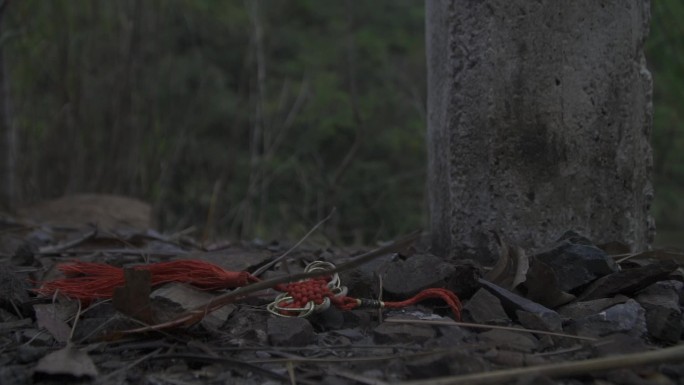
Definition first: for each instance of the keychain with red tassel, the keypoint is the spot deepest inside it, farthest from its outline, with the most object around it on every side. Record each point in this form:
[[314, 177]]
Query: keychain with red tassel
[[88, 281]]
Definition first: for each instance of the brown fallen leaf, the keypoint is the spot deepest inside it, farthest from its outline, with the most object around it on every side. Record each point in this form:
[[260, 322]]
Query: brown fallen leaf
[[133, 299], [511, 268], [542, 286], [67, 361], [48, 317]]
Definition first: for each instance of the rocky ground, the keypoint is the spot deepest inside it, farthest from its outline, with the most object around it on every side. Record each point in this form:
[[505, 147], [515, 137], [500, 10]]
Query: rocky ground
[[577, 313]]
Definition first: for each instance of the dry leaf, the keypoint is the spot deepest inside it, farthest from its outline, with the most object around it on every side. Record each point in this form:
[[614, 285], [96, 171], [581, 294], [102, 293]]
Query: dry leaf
[[67, 361], [511, 268], [47, 316], [133, 299], [542, 286]]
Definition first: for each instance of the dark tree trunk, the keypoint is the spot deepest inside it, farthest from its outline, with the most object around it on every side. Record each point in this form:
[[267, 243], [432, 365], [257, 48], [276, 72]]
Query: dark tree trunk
[[8, 132], [539, 122]]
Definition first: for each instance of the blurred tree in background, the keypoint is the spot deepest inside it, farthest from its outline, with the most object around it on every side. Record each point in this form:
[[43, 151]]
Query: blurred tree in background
[[665, 52], [255, 117]]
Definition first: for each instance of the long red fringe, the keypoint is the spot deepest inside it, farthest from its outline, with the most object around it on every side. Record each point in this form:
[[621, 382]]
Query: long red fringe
[[88, 280]]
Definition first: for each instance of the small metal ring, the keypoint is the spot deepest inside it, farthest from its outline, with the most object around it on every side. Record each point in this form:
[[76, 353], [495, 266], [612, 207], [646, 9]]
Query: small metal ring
[[281, 311]]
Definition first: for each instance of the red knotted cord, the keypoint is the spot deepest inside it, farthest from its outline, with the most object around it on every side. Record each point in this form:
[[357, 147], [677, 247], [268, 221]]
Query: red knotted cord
[[88, 281], [301, 292], [317, 290]]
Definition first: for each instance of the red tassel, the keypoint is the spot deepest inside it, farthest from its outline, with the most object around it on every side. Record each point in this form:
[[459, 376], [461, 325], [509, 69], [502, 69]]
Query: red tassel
[[88, 281], [445, 295]]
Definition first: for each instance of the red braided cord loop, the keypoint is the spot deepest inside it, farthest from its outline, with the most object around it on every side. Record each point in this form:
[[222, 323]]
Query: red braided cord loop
[[301, 292], [88, 280]]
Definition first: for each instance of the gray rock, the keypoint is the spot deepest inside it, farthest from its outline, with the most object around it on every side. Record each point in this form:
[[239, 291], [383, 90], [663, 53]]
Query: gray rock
[[404, 278], [247, 326], [628, 281], [449, 336], [577, 264], [539, 321], [30, 354], [587, 308], [330, 319], [293, 331], [663, 314], [628, 318], [363, 280], [398, 333], [444, 365], [506, 339], [484, 307], [619, 343], [513, 302], [463, 281], [429, 366], [14, 374]]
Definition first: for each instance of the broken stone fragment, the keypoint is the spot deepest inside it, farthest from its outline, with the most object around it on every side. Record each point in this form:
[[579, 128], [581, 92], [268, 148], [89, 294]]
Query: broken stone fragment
[[404, 278], [538, 321], [511, 340], [247, 326], [295, 331], [485, 308], [512, 303], [628, 318], [463, 281], [587, 308], [577, 263], [363, 280], [663, 314], [628, 281], [444, 365], [398, 333]]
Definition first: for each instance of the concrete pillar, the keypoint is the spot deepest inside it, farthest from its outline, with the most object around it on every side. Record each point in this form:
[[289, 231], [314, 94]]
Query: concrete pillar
[[539, 121]]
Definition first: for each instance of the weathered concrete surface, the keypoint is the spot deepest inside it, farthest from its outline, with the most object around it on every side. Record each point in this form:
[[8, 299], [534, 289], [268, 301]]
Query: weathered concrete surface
[[539, 119]]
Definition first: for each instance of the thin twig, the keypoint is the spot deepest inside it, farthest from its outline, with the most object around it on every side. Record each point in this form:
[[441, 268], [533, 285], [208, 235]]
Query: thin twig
[[485, 326], [267, 266], [357, 377], [76, 317], [105, 379], [562, 369], [230, 362], [381, 357], [53, 249]]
